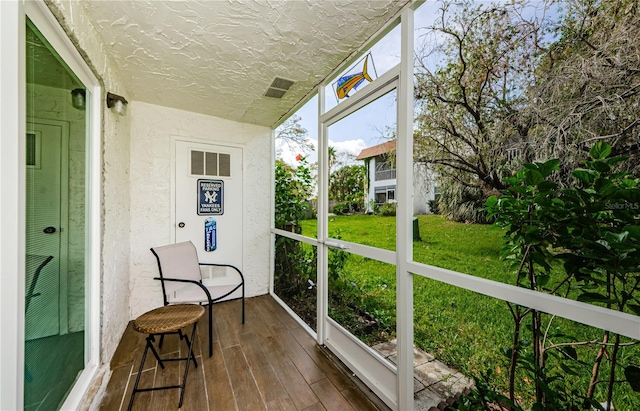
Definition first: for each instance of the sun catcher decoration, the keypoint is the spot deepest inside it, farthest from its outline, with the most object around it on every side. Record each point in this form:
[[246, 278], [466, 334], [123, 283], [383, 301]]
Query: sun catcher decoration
[[351, 81]]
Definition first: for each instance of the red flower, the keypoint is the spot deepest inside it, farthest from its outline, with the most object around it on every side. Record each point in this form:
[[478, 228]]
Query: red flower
[[299, 157]]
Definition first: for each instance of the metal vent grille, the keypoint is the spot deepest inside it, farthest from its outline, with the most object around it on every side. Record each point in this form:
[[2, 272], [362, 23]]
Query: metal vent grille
[[274, 92], [281, 83], [278, 87]]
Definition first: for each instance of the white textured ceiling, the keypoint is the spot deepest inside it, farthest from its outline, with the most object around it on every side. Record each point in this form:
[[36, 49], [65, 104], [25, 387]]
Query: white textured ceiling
[[219, 57]]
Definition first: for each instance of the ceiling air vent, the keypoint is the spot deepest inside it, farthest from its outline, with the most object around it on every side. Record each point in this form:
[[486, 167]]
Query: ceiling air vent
[[278, 87]]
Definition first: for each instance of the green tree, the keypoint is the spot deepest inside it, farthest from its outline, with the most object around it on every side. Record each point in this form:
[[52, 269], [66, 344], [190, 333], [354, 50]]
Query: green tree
[[528, 211], [292, 193], [348, 184], [293, 266], [292, 134], [602, 240], [588, 83], [471, 102], [594, 226]]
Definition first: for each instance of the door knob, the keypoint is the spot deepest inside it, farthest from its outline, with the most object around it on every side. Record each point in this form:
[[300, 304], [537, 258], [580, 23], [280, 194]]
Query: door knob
[[49, 230], [181, 225]]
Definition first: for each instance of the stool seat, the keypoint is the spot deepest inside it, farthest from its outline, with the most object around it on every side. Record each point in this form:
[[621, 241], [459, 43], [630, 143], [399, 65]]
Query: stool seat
[[168, 318]]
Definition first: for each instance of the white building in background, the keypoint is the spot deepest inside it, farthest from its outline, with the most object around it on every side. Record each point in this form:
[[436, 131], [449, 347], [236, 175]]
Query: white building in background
[[379, 161]]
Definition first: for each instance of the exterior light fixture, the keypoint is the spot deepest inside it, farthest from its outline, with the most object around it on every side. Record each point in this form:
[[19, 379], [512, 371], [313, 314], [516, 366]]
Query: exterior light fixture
[[117, 104], [78, 98]]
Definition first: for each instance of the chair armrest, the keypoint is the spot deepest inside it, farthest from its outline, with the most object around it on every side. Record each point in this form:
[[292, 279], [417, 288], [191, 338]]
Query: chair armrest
[[226, 265], [184, 280]]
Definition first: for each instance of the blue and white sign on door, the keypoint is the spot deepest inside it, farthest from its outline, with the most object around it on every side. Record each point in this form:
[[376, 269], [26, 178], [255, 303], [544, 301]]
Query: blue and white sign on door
[[210, 235], [210, 197]]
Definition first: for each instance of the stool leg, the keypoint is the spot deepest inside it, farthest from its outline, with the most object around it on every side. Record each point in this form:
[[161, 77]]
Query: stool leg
[[184, 337], [135, 386], [150, 340], [186, 368]]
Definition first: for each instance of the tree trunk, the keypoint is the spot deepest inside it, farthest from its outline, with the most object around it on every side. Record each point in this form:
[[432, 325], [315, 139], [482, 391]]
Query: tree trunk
[[612, 374], [537, 355], [596, 365]]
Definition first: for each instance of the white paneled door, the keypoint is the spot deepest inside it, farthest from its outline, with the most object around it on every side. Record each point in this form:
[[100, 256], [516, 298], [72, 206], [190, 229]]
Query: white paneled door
[[209, 204]]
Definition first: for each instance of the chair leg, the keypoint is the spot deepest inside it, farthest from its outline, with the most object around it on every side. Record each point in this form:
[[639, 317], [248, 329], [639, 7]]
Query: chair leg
[[210, 329], [243, 302]]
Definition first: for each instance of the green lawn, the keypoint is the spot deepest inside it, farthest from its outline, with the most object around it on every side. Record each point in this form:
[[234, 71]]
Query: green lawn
[[443, 314], [468, 248], [464, 329]]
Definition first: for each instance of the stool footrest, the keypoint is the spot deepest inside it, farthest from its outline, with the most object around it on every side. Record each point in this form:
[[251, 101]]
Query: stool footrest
[[179, 359], [166, 387]]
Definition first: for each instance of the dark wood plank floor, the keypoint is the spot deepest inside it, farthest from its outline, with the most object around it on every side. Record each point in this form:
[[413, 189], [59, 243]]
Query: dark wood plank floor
[[269, 363]]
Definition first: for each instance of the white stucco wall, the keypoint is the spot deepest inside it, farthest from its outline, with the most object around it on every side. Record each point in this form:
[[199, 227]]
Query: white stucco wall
[[424, 185], [153, 129]]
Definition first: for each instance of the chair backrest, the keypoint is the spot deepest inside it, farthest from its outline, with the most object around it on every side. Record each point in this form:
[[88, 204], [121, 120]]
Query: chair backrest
[[178, 260]]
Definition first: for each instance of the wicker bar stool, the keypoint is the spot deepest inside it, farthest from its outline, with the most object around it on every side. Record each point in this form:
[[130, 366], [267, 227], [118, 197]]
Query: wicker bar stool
[[170, 319]]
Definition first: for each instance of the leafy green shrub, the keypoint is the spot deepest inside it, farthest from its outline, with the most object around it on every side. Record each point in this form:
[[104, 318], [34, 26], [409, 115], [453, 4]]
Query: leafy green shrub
[[373, 207], [388, 209], [434, 206], [347, 184], [341, 209], [462, 203], [356, 206], [293, 189], [349, 207], [295, 271], [593, 226]]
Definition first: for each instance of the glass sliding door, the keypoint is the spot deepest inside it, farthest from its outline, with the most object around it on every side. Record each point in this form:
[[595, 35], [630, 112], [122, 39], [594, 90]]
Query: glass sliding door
[[55, 163]]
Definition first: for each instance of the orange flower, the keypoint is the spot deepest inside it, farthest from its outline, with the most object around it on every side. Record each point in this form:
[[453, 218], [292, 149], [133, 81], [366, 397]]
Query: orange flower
[[299, 157]]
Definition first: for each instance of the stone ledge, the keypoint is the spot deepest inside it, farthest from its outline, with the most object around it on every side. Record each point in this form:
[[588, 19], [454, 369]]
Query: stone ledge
[[435, 385]]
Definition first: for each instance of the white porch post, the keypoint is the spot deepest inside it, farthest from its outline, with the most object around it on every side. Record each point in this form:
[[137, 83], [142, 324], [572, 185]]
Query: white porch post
[[404, 238], [323, 205]]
